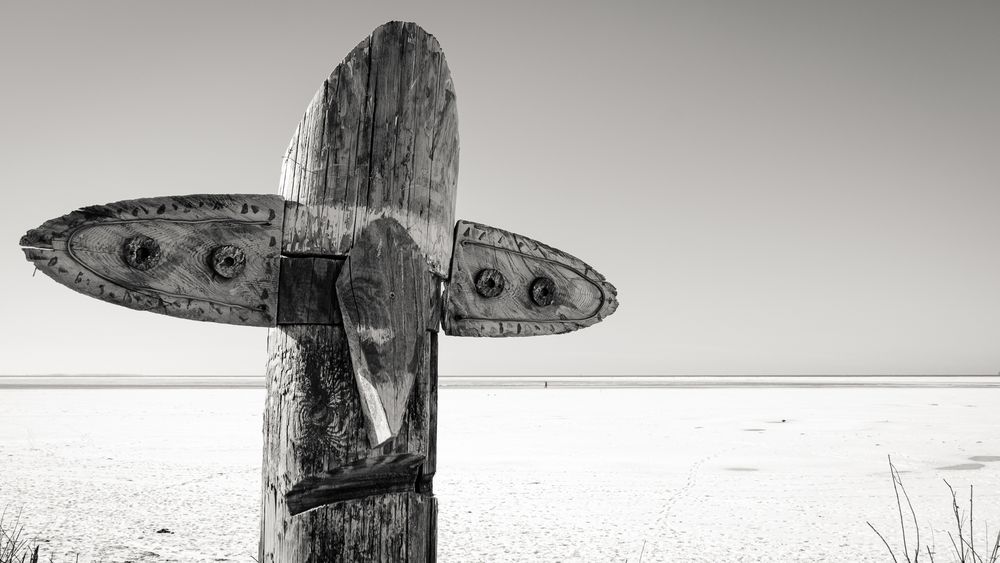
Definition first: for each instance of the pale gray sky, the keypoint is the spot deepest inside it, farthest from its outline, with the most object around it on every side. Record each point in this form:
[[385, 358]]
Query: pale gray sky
[[773, 186]]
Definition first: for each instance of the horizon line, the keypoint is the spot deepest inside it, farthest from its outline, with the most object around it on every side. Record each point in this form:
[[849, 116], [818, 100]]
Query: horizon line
[[531, 375], [121, 381]]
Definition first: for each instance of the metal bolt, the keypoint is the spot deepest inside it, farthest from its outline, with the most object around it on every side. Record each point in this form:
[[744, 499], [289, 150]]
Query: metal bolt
[[228, 261], [141, 252], [490, 282], [543, 291]]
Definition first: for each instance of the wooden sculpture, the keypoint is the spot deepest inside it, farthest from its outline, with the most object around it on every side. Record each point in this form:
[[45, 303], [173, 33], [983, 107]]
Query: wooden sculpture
[[346, 267]]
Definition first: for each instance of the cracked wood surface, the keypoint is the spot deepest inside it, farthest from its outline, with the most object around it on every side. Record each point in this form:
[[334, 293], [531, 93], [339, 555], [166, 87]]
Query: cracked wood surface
[[156, 254], [379, 139]]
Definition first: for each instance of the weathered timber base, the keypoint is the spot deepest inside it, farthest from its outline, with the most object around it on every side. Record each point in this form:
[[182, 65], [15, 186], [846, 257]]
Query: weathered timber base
[[385, 528], [313, 423]]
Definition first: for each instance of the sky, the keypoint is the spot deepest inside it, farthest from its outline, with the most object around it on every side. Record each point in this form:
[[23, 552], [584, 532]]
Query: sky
[[774, 186]]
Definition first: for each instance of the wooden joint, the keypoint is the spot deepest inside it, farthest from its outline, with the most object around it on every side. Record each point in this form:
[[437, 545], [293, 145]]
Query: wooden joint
[[425, 483], [306, 290]]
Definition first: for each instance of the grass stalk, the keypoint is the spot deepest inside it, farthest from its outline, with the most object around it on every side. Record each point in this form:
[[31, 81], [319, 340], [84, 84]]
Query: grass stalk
[[963, 544]]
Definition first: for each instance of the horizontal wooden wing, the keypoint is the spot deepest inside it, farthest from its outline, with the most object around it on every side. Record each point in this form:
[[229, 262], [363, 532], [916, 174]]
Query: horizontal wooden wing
[[505, 284], [202, 257]]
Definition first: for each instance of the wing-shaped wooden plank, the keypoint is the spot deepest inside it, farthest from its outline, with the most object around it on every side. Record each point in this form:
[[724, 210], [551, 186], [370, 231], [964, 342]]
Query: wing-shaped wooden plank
[[202, 257], [504, 284], [386, 294], [379, 139]]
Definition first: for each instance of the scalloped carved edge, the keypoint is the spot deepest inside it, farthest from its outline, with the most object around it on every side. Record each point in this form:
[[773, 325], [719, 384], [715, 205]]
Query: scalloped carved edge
[[468, 232]]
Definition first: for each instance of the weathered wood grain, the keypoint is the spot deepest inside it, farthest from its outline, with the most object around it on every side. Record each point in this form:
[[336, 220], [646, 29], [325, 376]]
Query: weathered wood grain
[[378, 141], [385, 528], [504, 284], [418, 433], [375, 475], [202, 257], [421, 514], [386, 298], [306, 290], [313, 424]]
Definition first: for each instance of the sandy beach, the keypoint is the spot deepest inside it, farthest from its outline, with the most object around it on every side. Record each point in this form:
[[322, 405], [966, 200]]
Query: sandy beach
[[716, 474]]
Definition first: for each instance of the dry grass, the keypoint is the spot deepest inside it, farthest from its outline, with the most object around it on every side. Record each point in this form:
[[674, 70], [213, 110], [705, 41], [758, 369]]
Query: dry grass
[[13, 547], [963, 541]]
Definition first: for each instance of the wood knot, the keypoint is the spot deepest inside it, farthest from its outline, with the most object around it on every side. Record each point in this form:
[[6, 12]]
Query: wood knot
[[228, 261], [543, 291], [141, 252], [490, 282]]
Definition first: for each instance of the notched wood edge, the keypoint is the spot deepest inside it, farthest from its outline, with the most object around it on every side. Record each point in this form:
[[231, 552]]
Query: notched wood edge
[[470, 232], [371, 476], [251, 207], [46, 244]]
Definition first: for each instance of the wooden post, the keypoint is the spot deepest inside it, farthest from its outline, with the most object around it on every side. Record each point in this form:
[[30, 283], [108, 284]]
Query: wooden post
[[346, 267], [370, 171]]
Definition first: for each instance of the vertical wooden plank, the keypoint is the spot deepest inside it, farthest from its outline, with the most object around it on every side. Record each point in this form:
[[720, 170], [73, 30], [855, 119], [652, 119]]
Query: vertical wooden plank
[[432, 529], [422, 523], [430, 464], [343, 137], [390, 76], [444, 166], [323, 168]]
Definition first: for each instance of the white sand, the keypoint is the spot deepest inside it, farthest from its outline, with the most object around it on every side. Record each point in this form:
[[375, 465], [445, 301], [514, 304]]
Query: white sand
[[524, 474]]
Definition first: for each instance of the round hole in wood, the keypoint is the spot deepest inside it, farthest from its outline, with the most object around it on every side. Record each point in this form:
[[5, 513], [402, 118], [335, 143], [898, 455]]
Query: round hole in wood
[[228, 261], [543, 291], [141, 252], [490, 282]]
